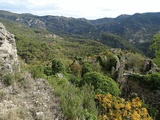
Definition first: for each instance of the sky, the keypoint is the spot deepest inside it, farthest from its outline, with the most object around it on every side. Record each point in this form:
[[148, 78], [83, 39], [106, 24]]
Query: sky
[[89, 9]]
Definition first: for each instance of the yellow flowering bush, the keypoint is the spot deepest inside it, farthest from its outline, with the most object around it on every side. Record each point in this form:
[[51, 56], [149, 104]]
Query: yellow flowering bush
[[113, 108]]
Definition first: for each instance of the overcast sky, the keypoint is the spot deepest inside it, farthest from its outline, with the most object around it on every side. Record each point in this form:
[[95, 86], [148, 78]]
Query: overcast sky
[[90, 9]]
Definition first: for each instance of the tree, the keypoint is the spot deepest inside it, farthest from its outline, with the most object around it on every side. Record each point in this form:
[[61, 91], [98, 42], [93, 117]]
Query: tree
[[156, 47]]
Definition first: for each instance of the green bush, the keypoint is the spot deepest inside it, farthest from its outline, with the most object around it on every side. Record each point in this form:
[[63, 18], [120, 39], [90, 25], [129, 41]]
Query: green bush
[[57, 66], [74, 80], [76, 69], [153, 81], [102, 84], [96, 67], [86, 67], [47, 71]]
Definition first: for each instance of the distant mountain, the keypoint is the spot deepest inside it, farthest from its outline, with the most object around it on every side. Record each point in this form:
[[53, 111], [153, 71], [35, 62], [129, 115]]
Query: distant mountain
[[136, 29], [55, 24]]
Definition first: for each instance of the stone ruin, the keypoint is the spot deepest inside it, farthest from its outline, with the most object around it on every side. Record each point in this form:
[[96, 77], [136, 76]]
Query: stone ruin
[[123, 81]]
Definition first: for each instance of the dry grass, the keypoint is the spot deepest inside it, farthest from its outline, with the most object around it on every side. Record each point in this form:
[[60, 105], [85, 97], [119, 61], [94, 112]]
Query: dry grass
[[28, 99]]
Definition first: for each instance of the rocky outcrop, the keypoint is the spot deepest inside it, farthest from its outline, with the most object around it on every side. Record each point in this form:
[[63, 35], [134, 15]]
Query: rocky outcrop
[[121, 80], [8, 51]]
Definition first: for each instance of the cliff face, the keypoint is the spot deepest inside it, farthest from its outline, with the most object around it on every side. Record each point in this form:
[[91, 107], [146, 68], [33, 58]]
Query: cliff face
[[8, 51]]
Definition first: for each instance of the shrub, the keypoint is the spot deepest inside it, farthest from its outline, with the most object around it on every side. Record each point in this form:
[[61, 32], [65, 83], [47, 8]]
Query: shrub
[[101, 84], [113, 108], [86, 67], [151, 81], [74, 80], [48, 71], [57, 66], [96, 67], [76, 69]]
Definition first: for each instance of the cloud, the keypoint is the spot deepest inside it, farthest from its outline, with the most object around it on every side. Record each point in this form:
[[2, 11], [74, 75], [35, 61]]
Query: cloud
[[90, 9], [8, 7]]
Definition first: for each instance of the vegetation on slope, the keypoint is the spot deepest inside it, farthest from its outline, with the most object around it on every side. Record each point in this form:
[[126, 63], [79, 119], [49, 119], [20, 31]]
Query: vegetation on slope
[[77, 71], [39, 45], [137, 29]]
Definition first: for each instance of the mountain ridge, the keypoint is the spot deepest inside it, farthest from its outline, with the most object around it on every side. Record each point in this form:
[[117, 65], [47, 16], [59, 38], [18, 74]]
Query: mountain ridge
[[137, 29]]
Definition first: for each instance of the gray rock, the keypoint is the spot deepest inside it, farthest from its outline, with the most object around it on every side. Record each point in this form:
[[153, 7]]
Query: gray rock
[[8, 51], [149, 66]]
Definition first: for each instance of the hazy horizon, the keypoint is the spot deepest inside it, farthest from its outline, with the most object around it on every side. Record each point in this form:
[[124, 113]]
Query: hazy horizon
[[89, 9]]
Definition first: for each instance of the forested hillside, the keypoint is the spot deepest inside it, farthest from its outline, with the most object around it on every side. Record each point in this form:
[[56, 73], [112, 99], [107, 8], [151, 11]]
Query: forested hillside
[[137, 30], [41, 45]]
